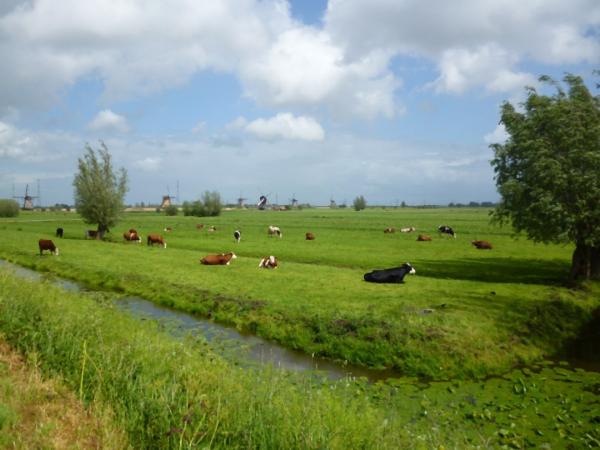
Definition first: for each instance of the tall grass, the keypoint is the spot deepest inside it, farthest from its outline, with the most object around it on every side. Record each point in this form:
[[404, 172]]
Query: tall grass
[[168, 393]]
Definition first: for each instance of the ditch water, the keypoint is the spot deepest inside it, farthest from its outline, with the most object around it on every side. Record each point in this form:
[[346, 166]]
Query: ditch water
[[247, 349]]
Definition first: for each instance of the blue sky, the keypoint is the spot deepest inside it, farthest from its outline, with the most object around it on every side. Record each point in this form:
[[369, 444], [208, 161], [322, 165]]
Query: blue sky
[[393, 100]]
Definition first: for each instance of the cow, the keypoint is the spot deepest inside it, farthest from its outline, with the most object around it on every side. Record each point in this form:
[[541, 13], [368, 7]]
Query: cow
[[274, 231], [407, 230], [389, 230], [59, 232], [310, 236], [154, 238], [132, 236], [218, 260], [91, 234], [423, 238], [268, 262], [167, 229], [47, 244], [133, 230], [482, 245], [445, 229], [199, 226], [393, 275], [237, 236], [212, 228]]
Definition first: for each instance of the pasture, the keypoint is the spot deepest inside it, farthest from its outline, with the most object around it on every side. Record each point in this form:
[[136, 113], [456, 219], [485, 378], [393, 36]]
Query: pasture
[[467, 313]]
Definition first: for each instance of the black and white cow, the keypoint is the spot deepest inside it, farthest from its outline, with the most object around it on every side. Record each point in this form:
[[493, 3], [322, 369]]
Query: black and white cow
[[393, 275], [237, 236], [445, 229]]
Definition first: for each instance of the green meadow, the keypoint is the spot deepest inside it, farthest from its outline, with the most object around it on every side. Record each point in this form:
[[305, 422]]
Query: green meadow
[[466, 314]]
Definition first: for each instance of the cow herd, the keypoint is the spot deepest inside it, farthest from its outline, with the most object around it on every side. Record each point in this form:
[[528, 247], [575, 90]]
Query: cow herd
[[391, 275]]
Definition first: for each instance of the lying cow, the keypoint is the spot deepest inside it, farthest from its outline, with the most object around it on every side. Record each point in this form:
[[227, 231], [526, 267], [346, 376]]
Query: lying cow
[[393, 275], [274, 231], [47, 244], [167, 229], [423, 238], [59, 232], [445, 229], [154, 238], [389, 230], [268, 262], [407, 230], [212, 228], [237, 235], [218, 260], [132, 236], [482, 245], [199, 226], [310, 236]]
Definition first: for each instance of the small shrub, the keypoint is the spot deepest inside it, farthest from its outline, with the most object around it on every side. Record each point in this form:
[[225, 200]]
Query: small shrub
[[171, 210], [8, 208], [359, 203], [209, 205]]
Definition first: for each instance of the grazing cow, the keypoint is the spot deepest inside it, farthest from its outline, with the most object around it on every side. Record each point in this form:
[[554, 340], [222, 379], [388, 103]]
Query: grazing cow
[[154, 238], [218, 260], [389, 230], [91, 234], [272, 231], [199, 226], [407, 230], [59, 232], [132, 236], [310, 236], [445, 229], [423, 238], [393, 275], [47, 244], [237, 236], [268, 262], [168, 229], [482, 245], [133, 230]]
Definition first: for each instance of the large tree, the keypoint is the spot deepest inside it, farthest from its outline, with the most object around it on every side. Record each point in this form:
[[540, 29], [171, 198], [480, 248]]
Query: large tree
[[548, 170], [99, 190]]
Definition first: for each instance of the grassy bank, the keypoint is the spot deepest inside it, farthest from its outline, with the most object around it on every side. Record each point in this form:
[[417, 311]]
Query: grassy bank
[[467, 313], [42, 413], [169, 393]]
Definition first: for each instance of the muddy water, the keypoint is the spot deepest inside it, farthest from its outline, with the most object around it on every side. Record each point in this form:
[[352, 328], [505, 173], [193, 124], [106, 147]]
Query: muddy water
[[246, 349]]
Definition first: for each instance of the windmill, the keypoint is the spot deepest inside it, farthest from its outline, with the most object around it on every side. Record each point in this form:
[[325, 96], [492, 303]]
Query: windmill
[[262, 201], [240, 201], [294, 201], [27, 199], [332, 203], [168, 199]]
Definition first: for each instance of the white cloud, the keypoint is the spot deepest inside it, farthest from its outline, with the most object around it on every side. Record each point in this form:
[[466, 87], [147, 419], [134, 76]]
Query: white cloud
[[149, 164], [286, 126], [498, 136], [109, 121], [30, 147], [199, 127]]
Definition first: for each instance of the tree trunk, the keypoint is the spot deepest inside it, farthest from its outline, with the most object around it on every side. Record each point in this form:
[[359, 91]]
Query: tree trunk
[[102, 229], [585, 263]]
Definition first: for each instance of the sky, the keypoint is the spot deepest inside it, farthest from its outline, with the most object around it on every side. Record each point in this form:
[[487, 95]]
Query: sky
[[395, 100]]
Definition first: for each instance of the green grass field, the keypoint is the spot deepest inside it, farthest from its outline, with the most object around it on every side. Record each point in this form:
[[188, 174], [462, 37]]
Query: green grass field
[[492, 310]]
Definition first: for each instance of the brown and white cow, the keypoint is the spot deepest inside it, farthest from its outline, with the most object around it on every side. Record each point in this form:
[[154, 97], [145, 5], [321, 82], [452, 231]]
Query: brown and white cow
[[132, 236], [310, 236], [199, 226], [389, 230], [268, 262], [423, 238], [407, 230], [218, 260], [167, 229], [47, 244], [154, 238], [274, 231], [482, 245]]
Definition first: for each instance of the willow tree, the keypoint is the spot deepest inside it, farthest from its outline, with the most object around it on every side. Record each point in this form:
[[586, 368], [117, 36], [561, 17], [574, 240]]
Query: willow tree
[[548, 171], [99, 190]]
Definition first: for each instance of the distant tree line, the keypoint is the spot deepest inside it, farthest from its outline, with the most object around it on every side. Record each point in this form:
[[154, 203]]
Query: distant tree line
[[472, 205], [209, 205]]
